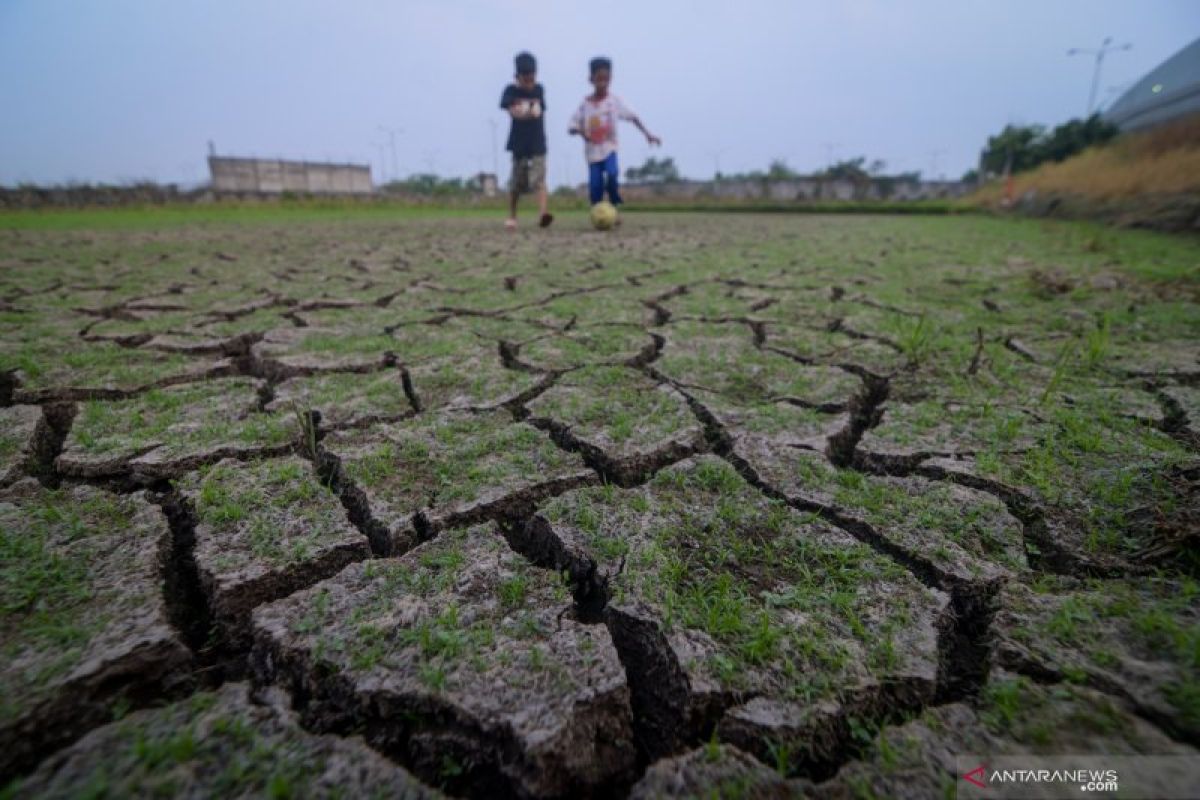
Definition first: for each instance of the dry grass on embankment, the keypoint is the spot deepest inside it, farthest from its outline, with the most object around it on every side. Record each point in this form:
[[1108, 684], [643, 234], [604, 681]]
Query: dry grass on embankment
[[1158, 163]]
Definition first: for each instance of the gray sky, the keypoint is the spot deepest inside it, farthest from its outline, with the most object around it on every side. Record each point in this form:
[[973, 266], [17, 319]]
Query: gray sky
[[116, 90]]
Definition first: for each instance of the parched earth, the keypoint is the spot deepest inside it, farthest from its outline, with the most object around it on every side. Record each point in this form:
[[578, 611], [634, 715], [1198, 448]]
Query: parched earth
[[740, 505]]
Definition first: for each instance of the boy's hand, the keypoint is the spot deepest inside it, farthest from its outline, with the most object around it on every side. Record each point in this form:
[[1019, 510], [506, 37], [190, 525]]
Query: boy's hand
[[653, 140]]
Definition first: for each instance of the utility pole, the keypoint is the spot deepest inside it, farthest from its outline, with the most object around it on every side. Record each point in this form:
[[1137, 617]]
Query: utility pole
[[716, 157], [391, 133], [380, 149], [495, 156], [830, 147], [1100, 52], [934, 155]]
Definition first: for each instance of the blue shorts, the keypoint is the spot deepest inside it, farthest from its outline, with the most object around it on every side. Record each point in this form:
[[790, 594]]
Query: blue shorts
[[602, 177]]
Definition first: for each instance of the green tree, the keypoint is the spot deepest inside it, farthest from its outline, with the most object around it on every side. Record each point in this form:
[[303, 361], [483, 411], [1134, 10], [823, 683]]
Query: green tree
[[852, 169], [778, 170], [1015, 148], [1075, 136], [429, 185], [654, 171], [1023, 147]]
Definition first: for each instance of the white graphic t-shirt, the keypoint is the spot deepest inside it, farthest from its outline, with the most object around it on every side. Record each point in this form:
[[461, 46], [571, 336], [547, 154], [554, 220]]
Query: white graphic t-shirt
[[598, 121]]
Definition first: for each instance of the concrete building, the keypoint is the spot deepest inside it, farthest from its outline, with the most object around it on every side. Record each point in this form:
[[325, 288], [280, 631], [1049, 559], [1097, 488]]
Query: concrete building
[[487, 183], [269, 176], [1169, 91]]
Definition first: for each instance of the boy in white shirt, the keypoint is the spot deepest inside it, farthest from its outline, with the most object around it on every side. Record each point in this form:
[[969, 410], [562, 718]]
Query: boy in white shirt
[[596, 121]]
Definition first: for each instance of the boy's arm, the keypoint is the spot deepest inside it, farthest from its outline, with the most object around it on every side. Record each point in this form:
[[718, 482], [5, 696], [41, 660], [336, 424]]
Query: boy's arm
[[650, 137], [625, 113], [515, 110], [576, 126]]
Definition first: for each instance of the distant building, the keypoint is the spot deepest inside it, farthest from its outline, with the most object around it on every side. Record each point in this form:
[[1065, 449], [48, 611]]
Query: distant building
[[1170, 91], [486, 181], [272, 176]]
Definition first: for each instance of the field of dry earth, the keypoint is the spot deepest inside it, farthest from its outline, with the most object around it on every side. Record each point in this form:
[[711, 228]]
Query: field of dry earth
[[744, 505]]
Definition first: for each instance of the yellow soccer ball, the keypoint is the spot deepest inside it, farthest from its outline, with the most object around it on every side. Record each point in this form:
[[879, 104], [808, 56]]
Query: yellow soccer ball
[[604, 215]]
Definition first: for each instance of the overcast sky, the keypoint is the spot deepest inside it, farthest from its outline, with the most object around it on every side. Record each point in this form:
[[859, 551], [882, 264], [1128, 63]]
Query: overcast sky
[[117, 90]]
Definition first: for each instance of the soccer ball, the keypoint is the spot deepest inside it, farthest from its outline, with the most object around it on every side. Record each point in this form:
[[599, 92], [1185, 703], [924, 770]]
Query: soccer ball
[[604, 215]]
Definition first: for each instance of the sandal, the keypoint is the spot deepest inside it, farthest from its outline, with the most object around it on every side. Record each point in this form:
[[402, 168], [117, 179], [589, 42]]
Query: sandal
[[546, 220], [510, 224]]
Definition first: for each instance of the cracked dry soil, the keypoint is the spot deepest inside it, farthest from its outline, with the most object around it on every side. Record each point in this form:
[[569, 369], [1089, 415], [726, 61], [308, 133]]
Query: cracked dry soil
[[740, 505]]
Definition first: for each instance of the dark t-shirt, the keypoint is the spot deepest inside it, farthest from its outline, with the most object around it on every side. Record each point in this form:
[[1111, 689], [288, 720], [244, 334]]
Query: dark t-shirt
[[527, 137]]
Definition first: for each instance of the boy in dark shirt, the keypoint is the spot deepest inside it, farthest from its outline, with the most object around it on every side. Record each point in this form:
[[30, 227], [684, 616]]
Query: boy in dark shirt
[[525, 102]]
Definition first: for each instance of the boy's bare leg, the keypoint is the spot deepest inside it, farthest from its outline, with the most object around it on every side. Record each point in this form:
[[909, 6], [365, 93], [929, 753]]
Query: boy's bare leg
[[511, 222]]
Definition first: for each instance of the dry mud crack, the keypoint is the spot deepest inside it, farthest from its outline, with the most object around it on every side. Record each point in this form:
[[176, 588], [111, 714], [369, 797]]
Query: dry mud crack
[[736, 504]]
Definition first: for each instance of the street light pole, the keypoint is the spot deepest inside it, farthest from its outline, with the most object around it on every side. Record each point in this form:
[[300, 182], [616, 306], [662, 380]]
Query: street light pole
[[716, 157], [379, 147], [1104, 49], [934, 156], [391, 132]]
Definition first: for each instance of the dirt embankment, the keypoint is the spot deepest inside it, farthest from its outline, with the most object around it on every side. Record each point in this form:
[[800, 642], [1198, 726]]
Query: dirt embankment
[[1141, 180]]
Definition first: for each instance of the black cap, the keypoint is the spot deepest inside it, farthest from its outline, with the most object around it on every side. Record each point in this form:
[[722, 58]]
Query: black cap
[[526, 63]]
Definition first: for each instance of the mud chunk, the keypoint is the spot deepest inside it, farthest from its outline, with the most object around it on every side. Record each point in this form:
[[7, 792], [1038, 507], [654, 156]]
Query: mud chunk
[[948, 428], [263, 530], [1014, 717], [593, 345], [18, 424], [825, 341], [450, 468], [723, 359], [287, 352], [86, 624], [717, 770], [751, 426], [475, 378], [620, 419], [1136, 640], [718, 595], [71, 370], [966, 535], [165, 432], [345, 399], [219, 744], [458, 650]]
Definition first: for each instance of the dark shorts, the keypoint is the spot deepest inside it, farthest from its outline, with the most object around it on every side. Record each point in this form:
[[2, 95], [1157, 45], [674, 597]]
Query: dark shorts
[[528, 174]]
